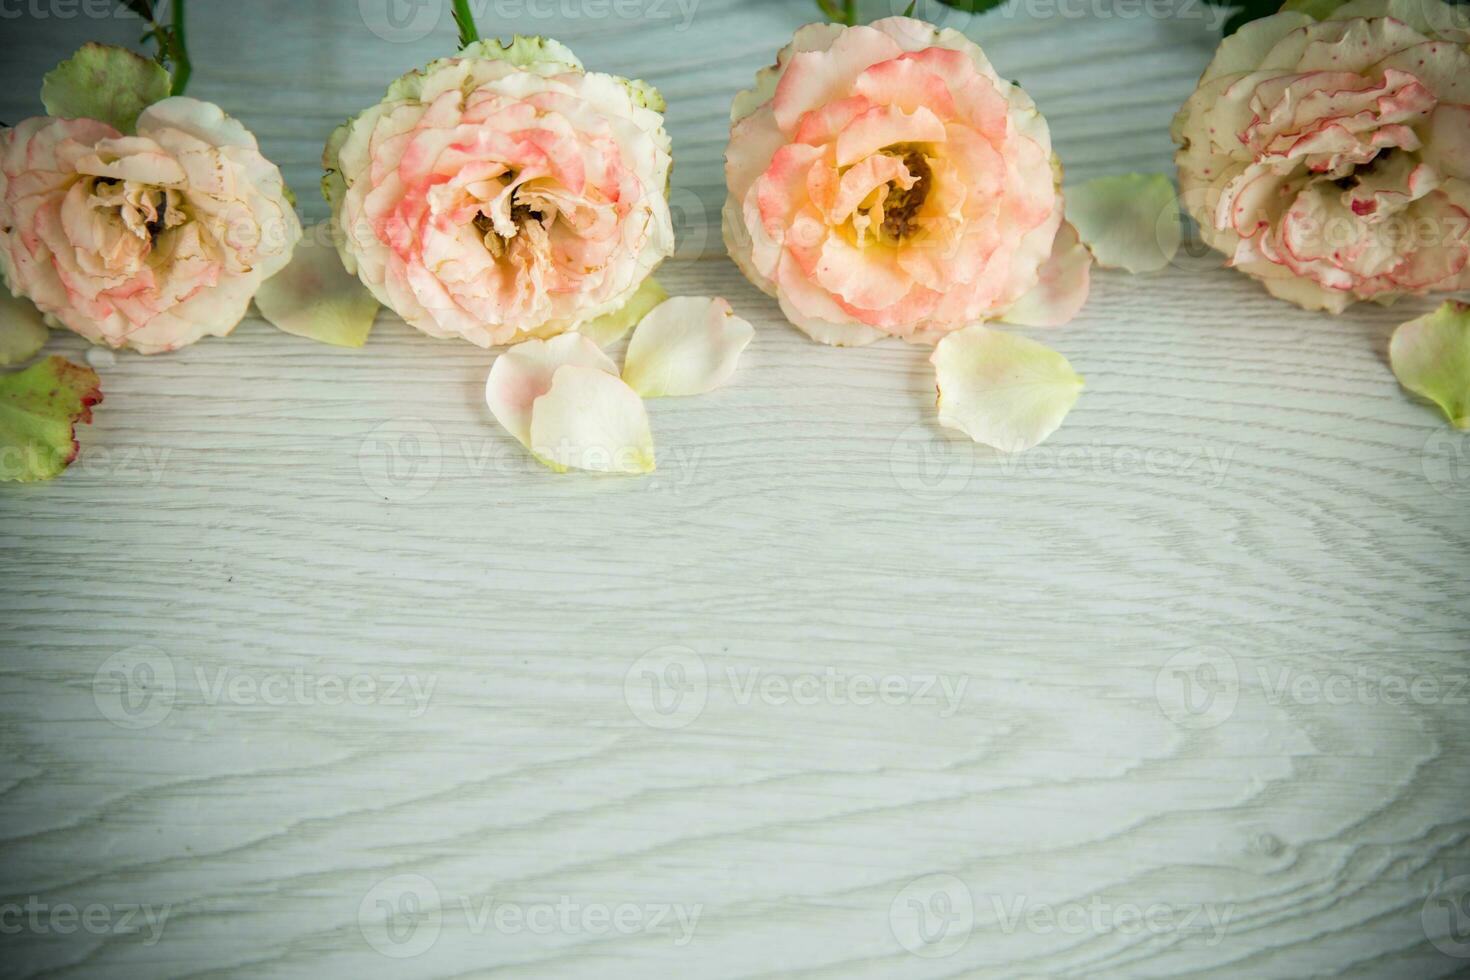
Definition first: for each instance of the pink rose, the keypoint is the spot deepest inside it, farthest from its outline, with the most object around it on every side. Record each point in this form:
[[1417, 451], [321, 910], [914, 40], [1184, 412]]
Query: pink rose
[[1331, 159], [149, 241], [504, 193], [885, 180]]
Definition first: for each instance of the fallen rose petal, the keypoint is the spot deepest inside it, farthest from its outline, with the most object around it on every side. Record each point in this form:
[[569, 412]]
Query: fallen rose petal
[[22, 328], [610, 328], [39, 411], [1065, 280], [591, 420], [686, 346], [1002, 390], [1431, 357], [524, 373], [316, 298], [1129, 221]]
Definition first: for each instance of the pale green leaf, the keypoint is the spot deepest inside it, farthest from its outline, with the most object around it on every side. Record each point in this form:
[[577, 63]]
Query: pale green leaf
[[106, 83]]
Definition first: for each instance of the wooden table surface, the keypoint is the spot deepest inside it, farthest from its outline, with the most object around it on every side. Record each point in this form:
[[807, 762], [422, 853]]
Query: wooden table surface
[[309, 672]]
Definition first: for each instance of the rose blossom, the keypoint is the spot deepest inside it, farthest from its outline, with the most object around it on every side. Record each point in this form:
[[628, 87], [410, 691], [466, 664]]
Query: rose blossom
[[504, 193], [1331, 159], [149, 241], [885, 180]]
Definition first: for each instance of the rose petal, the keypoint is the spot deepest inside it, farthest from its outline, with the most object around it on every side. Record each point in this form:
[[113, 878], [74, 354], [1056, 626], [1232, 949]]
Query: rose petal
[[22, 328], [1130, 221], [524, 373], [591, 420], [609, 328], [316, 298], [1062, 290], [687, 346], [1431, 357], [1002, 390]]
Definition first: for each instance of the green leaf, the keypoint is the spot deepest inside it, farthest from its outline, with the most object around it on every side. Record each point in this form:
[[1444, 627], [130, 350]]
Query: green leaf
[[1431, 357], [107, 83], [22, 328], [39, 411], [316, 298], [609, 328]]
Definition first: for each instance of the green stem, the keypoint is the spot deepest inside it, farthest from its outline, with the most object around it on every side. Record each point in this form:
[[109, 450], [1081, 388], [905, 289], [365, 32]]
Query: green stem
[[183, 67], [849, 9], [465, 18]]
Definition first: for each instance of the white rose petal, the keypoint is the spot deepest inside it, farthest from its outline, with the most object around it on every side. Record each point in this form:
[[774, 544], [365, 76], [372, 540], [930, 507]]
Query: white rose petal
[[316, 298], [524, 373], [591, 420], [686, 346], [1002, 390]]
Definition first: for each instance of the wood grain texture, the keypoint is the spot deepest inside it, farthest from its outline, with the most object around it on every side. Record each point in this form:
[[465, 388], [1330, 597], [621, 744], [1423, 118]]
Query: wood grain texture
[[307, 661]]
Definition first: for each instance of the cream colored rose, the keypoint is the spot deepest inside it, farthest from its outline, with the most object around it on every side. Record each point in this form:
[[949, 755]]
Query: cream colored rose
[[1331, 159], [504, 193], [884, 180], [149, 241]]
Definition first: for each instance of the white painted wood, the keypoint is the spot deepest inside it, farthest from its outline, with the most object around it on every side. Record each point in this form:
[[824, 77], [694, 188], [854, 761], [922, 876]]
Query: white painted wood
[[1243, 501]]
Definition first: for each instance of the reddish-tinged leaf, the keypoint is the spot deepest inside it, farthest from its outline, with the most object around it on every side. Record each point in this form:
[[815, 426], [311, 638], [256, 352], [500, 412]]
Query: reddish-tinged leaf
[[39, 411]]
